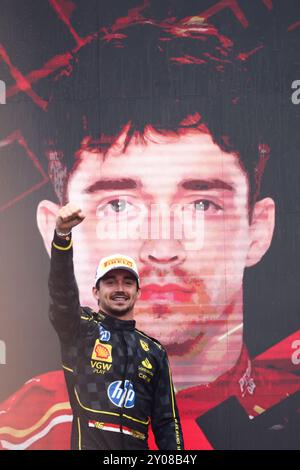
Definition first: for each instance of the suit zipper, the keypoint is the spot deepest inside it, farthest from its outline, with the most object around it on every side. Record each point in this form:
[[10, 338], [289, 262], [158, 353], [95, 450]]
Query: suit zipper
[[123, 387]]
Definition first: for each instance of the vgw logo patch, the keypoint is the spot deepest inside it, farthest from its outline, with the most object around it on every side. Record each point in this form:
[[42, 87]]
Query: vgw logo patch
[[121, 396]]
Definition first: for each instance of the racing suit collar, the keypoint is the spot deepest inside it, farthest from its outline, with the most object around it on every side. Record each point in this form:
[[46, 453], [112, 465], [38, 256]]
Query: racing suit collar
[[112, 323]]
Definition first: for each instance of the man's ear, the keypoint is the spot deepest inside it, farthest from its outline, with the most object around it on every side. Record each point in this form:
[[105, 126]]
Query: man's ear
[[46, 217], [261, 230], [95, 292]]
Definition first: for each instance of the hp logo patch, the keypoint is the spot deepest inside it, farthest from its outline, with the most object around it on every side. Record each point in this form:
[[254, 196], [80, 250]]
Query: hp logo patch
[[117, 394], [104, 334]]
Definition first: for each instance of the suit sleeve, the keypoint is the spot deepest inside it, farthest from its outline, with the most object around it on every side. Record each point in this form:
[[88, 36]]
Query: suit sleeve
[[64, 310], [165, 419]]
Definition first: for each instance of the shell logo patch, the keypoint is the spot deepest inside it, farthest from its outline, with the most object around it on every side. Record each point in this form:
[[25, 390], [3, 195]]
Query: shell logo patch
[[102, 352]]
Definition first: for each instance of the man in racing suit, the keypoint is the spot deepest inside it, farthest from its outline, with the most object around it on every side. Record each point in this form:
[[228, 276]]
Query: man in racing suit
[[118, 378]]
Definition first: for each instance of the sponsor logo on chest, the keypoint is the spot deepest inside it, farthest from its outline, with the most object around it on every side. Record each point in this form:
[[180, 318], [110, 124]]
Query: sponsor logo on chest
[[145, 370], [101, 360], [121, 394]]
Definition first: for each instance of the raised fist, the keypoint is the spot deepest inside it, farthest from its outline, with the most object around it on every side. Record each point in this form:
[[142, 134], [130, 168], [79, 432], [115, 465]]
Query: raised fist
[[68, 217]]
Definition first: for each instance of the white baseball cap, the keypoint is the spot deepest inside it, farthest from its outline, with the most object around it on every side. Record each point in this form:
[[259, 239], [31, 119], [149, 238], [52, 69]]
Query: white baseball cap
[[116, 261]]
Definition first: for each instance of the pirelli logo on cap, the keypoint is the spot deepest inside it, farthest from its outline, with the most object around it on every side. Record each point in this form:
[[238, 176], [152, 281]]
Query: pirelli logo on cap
[[118, 262]]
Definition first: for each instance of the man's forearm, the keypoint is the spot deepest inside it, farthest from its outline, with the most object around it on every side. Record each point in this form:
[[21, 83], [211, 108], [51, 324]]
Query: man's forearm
[[64, 309]]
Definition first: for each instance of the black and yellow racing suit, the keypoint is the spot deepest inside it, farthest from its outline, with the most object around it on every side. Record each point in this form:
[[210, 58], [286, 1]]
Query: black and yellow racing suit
[[118, 378]]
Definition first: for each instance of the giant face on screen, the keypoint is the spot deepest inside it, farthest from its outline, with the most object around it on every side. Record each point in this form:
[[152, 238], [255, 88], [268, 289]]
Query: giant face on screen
[[165, 172]]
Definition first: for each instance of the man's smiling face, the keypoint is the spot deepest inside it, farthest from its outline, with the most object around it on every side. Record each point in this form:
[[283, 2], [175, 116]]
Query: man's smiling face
[[117, 293]]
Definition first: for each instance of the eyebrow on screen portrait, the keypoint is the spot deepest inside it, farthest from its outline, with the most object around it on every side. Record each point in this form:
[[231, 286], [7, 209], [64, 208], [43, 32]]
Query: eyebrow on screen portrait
[[112, 184], [205, 185]]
